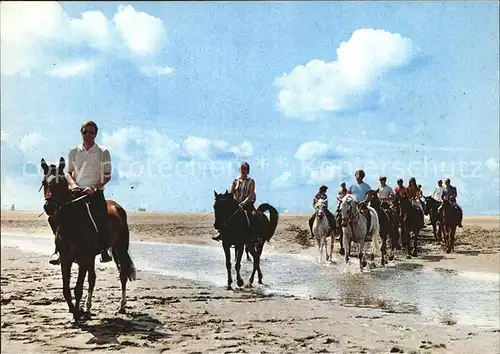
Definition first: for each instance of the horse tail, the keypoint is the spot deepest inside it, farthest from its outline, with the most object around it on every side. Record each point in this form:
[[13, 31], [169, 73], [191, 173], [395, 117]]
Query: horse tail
[[273, 218], [121, 248], [375, 232]]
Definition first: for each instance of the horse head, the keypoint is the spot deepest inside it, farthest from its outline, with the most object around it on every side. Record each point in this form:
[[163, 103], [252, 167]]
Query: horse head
[[224, 207], [347, 209], [320, 208], [375, 202], [429, 204], [55, 186]]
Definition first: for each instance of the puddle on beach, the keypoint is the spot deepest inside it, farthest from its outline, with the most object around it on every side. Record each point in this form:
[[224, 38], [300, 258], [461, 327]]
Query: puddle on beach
[[443, 296]]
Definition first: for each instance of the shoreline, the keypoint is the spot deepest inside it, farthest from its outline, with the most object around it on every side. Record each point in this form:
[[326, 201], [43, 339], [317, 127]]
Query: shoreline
[[477, 249], [178, 315], [483, 263], [169, 314]]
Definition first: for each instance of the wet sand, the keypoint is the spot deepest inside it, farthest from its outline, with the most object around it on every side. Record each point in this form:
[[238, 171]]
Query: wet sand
[[180, 316]]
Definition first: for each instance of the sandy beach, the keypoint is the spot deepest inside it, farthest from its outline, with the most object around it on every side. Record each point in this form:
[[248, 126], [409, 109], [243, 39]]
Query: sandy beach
[[166, 314]]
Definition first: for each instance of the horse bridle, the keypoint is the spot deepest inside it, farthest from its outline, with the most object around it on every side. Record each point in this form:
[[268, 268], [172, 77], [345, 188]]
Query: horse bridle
[[226, 220], [350, 218], [59, 206]]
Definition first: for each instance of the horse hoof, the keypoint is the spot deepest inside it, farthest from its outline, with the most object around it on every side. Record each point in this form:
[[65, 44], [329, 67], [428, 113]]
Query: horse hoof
[[391, 257], [372, 257], [122, 310], [248, 286], [363, 264], [408, 257], [229, 287], [240, 282], [342, 252], [260, 282]]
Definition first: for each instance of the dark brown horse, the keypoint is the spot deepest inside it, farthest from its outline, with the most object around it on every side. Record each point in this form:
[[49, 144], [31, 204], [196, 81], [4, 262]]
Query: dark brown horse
[[431, 209], [238, 230], [451, 219], [386, 224], [410, 217], [76, 237]]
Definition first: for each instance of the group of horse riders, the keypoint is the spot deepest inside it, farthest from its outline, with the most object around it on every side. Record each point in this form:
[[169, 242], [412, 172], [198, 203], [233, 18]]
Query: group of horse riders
[[362, 193], [89, 170]]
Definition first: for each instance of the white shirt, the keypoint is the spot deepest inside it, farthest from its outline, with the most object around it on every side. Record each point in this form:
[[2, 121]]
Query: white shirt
[[438, 193], [359, 191], [89, 166], [385, 191]]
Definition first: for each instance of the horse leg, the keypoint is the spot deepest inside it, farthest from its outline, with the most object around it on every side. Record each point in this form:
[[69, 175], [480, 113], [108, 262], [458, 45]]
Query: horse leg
[[227, 252], [415, 243], [361, 254], [347, 247], [325, 245], [341, 242], [452, 238], [332, 241], [237, 266], [258, 253], [91, 280], [383, 248], [254, 256], [248, 254], [82, 272], [66, 276]]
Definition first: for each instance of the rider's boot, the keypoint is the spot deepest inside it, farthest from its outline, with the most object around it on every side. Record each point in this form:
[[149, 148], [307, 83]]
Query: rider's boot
[[54, 259], [105, 257], [311, 223], [217, 237]]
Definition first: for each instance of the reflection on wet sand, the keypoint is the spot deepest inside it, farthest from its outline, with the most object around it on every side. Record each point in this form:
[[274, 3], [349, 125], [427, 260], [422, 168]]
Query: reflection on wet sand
[[435, 295]]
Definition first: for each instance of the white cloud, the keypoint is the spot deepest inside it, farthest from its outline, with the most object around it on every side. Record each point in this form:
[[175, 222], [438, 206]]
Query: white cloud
[[199, 147], [348, 83], [4, 136], [157, 70], [206, 149], [312, 149], [492, 164], [327, 173], [286, 180], [30, 142], [94, 28], [33, 35], [134, 143], [77, 68], [142, 33]]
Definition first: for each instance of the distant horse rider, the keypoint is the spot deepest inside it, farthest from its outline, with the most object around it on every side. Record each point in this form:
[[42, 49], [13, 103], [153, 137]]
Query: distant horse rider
[[413, 193], [385, 192], [449, 193], [321, 195], [343, 191], [400, 188], [359, 191], [243, 191]]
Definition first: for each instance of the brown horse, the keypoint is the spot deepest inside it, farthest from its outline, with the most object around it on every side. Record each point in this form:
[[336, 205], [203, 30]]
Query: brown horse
[[450, 220], [238, 231], [76, 237]]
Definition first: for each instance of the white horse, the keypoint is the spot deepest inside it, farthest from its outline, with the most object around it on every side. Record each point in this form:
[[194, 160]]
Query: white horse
[[354, 229], [321, 229]]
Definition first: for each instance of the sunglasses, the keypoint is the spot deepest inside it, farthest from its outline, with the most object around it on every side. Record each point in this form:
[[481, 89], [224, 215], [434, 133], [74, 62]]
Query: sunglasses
[[85, 132]]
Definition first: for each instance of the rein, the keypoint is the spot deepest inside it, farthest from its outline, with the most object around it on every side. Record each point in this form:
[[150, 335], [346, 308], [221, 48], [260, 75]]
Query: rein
[[224, 223]]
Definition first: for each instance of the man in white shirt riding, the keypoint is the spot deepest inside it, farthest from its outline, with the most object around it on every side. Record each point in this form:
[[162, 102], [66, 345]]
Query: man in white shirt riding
[[89, 169], [385, 193], [437, 194], [359, 191]]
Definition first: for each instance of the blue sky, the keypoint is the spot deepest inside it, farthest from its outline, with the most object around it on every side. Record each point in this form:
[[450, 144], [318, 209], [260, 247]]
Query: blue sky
[[306, 92]]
